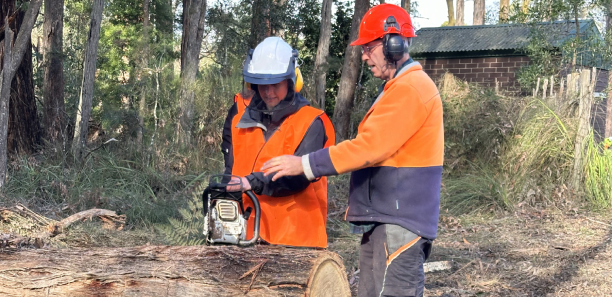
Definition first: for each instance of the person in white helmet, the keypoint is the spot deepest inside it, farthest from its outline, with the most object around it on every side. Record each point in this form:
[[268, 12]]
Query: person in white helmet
[[276, 121]]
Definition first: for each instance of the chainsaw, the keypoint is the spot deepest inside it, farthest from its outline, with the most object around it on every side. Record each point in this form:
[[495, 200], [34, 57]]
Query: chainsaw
[[225, 219]]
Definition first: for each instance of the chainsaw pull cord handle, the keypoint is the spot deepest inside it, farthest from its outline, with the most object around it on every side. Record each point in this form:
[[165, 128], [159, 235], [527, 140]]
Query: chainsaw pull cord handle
[[257, 217]]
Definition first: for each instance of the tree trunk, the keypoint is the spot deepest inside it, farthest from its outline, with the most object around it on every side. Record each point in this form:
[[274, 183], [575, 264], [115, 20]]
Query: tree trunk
[[323, 52], [143, 73], [350, 75], [173, 271], [260, 23], [53, 85], [12, 58], [525, 6], [608, 132], [460, 13], [194, 16], [406, 5], [504, 10], [24, 126], [87, 86], [451, 12], [479, 12]]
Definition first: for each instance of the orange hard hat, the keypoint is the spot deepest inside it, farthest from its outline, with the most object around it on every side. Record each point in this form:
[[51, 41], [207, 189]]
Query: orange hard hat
[[374, 23]]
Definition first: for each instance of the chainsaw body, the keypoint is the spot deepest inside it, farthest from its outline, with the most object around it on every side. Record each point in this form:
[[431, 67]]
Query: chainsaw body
[[225, 219]]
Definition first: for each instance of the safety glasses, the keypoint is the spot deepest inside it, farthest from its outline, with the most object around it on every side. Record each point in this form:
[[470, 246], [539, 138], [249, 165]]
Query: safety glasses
[[367, 49]]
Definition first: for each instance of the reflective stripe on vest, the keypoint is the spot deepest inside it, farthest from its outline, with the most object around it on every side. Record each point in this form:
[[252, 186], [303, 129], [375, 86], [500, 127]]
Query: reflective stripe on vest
[[295, 220]]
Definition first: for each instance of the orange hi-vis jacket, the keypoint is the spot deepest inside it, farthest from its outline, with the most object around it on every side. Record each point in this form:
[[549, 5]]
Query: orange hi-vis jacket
[[294, 220], [396, 157]]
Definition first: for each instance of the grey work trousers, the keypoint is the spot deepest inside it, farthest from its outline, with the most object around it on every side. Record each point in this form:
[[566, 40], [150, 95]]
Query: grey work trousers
[[391, 262]]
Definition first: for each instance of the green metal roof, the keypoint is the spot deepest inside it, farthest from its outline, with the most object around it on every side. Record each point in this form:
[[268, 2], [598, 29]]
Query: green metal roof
[[494, 37]]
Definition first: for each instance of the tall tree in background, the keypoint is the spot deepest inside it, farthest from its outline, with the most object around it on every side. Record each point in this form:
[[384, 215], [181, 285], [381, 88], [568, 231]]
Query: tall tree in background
[[13, 54], [194, 17], [53, 85], [451, 12], [143, 72], [608, 132], [406, 5], [460, 13], [81, 125], [23, 123], [323, 52], [479, 12], [504, 11], [350, 74], [525, 6], [260, 22]]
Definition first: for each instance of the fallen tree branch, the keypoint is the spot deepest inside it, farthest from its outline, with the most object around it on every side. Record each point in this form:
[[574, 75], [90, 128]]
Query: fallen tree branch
[[105, 214]]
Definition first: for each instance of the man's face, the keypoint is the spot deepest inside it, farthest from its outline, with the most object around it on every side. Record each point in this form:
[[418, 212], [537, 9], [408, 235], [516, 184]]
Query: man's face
[[372, 54], [273, 94]]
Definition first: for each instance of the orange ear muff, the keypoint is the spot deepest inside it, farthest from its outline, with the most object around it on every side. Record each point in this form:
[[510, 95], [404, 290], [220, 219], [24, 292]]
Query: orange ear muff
[[299, 81]]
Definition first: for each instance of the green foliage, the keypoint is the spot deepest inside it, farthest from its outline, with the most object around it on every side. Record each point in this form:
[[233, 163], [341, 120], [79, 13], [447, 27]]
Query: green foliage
[[482, 188], [108, 178], [477, 124], [598, 181], [186, 230], [541, 154], [545, 60]]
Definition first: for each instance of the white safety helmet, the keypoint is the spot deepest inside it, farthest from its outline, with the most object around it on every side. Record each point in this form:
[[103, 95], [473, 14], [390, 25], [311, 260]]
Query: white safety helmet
[[272, 61]]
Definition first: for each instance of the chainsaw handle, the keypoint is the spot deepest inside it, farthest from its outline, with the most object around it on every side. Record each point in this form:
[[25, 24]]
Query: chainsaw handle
[[257, 217]]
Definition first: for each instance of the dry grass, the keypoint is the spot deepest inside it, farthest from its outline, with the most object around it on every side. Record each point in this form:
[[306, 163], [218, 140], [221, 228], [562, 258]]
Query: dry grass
[[531, 252]]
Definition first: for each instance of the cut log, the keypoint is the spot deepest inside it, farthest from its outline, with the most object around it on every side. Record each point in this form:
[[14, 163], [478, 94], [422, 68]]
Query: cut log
[[172, 271]]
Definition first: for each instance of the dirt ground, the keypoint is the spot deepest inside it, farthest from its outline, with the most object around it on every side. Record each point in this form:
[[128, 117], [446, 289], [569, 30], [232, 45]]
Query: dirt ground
[[529, 252]]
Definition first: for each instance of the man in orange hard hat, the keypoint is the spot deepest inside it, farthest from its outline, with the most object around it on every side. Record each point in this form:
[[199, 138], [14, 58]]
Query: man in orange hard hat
[[396, 161]]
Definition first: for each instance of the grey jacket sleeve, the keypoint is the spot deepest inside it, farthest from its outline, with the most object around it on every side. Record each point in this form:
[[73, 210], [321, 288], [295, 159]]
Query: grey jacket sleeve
[[314, 139]]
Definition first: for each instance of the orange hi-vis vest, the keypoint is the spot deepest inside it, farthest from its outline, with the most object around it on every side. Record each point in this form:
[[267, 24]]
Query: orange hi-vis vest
[[295, 220]]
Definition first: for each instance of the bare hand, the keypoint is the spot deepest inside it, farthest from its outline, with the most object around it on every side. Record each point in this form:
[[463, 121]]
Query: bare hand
[[235, 184], [287, 165]]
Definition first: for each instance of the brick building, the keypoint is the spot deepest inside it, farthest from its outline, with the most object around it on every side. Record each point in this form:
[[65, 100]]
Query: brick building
[[484, 54], [494, 53]]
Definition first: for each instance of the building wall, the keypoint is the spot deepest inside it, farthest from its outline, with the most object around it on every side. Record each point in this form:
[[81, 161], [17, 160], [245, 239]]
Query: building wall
[[486, 70], [483, 71]]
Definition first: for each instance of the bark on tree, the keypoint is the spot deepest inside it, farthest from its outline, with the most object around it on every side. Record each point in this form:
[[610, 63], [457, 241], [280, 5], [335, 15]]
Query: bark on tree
[[608, 132], [13, 55], [24, 125], [143, 73], [479, 12], [260, 22], [350, 75], [504, 11], [53, 85], [194, 17], [87, 86], [173, 271], [406, 5], [323, 52], [451, 12], [460, 13]]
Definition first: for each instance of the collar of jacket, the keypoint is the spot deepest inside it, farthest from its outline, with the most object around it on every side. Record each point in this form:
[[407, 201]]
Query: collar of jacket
[[409, 65], [256, 113]]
